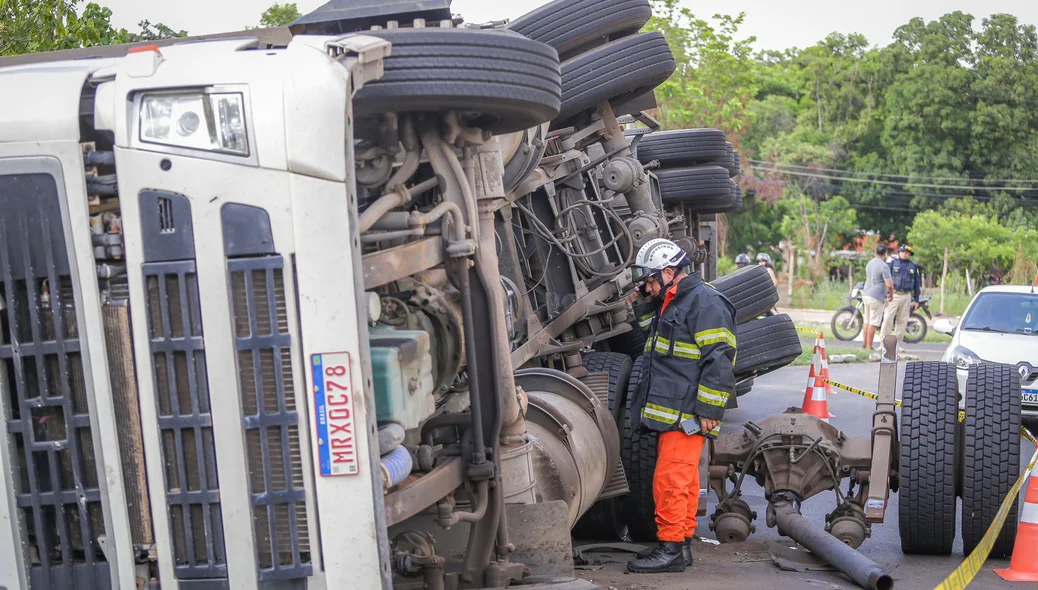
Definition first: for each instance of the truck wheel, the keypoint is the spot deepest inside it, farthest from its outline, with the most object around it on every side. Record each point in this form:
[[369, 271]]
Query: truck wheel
[[576, 26], [615, 71], [687, 184], [992, 454], [505, 81], [765, 345], [683, 147], [638, 452], [750, 290], [926, 487], [743, 388], [631, 343], [736, 168], [605, 519]]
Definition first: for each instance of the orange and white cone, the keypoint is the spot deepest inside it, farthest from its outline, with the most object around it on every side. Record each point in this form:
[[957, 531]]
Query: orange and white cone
[[1024, 565], [815, 402], [823, 372]]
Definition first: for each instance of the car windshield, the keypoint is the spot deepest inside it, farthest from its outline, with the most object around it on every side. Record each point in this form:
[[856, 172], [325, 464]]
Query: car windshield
[[1003, 312]]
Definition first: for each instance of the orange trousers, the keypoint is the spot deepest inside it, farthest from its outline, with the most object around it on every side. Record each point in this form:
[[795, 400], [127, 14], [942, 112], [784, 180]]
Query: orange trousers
[[675, 485]]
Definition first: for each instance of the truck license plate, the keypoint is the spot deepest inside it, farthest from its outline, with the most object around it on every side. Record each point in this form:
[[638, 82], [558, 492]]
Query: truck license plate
[[333, 399], [1029, 396]]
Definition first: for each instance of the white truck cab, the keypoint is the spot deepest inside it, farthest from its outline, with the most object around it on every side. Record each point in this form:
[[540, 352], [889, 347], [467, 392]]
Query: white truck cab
[[208, 190]]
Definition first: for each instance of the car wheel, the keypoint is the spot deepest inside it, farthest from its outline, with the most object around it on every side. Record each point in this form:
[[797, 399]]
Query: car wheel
[[991, 461], [502, 81], [926, 475]]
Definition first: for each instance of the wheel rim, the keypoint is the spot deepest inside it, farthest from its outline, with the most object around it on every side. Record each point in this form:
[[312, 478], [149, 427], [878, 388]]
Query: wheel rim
[[846, 325]]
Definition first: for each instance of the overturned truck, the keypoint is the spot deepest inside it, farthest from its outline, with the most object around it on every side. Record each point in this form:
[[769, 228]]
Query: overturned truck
[[350, 307]]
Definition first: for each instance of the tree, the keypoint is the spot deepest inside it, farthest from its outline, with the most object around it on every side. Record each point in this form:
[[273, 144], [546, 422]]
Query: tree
[[32, 26], [976, 243], [817, 227], [714, 82], [280, 15]]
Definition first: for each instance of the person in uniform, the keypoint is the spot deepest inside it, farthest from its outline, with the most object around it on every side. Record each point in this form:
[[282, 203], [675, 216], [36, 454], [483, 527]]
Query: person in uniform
[[908, 281], [688, 374]]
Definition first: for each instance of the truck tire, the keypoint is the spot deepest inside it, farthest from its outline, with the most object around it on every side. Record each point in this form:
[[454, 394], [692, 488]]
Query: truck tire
[[638, 453], [750, 290], [507, 81], [926, 486], [576, 26], [689, 184], [721, 204], [766, 344], [743, 388], [631, 343], [615, 71], [605, 519], [683, 147], [737, 166], [991, 463]]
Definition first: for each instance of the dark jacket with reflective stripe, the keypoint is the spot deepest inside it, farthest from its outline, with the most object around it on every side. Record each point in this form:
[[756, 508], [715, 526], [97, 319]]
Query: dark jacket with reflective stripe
[[688, 366]]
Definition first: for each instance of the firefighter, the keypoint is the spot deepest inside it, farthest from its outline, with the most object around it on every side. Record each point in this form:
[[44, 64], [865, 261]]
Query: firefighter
[[908, 281], [688, 375]]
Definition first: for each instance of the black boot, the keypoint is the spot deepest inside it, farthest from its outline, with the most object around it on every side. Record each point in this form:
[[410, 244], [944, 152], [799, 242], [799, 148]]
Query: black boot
[[686, 550], [667, 556]]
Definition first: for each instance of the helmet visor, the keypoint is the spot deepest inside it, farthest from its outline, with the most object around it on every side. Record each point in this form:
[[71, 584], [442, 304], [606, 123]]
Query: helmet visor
[[639, 274]]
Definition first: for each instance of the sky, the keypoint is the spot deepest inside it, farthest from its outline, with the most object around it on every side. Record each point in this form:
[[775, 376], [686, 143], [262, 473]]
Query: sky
[[775, 24]]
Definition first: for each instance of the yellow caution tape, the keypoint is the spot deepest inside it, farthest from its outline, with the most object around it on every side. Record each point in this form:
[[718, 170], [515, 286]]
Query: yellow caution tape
[[809, 330], [962, 415], [964, 574], [856, 391]]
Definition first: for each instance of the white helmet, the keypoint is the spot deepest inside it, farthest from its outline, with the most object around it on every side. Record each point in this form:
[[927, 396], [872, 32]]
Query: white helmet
[[655, 256]]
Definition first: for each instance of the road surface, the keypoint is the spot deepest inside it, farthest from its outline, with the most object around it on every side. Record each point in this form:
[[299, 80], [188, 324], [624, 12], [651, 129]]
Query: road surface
[[748, 565]]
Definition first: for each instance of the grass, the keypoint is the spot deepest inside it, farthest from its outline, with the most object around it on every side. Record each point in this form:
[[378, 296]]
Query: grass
[[809, 349], [827, 332], [833, 295]]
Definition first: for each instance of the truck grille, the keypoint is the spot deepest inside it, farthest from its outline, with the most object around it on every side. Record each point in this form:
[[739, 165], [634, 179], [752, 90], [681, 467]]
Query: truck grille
[[45, 393], [271, 420], [185, 419]]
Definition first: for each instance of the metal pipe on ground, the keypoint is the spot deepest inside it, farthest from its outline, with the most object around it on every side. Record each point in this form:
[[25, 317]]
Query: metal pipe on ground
[[865, 572]]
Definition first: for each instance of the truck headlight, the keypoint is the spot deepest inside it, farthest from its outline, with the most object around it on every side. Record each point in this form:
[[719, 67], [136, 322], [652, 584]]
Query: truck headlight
[[964, 357], [209, 121]]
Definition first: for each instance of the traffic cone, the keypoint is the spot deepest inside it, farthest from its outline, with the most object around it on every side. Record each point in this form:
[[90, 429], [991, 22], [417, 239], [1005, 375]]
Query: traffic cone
[[1024, 565], [815, 402], [824, 371]]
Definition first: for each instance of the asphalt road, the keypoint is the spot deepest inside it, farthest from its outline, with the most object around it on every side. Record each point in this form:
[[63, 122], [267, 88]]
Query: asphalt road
[[748, 565]]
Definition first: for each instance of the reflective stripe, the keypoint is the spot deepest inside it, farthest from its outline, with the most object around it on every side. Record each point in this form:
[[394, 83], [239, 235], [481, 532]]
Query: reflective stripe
[[712, 397], [682, 349], [1029, 514], [645, 324], [648, 345], [708, 337], [716, 431], [660, 414]]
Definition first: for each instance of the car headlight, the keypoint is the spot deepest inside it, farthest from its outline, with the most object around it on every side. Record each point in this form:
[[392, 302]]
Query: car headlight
[[198, 120], [964, 357]]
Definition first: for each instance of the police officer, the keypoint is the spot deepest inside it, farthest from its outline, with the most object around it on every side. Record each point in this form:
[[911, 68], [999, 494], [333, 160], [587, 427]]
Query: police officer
[[908, 281], [742, 261], [688, 375]]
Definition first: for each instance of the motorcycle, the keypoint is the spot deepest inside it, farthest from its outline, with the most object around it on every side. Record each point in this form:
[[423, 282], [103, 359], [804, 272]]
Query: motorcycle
[[847, 322]]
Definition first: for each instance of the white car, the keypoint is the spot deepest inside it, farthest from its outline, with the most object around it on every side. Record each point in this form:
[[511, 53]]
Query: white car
[[999, 326]]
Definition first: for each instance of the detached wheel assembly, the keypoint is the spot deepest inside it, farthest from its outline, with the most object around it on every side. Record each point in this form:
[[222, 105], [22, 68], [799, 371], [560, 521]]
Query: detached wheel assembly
[[926, 493], [576, 26], [991, 461], [499, 81]]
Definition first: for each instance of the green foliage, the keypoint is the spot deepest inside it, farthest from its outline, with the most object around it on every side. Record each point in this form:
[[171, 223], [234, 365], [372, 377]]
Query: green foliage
[[978, 243], [31, 26], [280, 15], [714, 81], [817, 227]]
